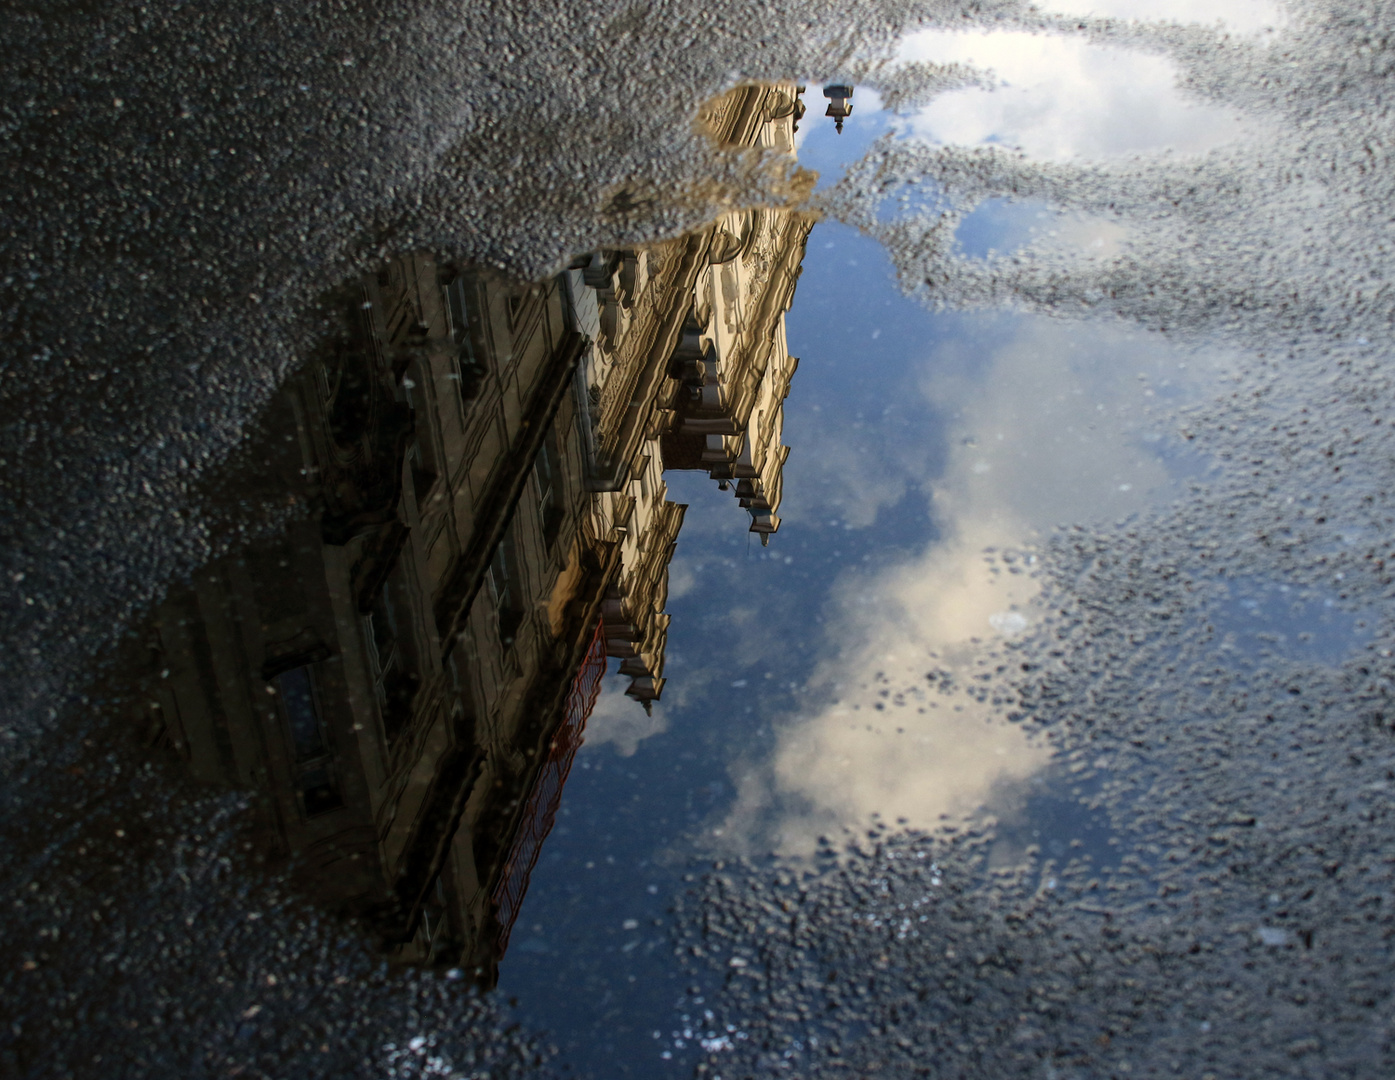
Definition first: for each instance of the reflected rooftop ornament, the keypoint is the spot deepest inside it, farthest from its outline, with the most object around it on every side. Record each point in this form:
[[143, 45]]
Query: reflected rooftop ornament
[[839, 105]]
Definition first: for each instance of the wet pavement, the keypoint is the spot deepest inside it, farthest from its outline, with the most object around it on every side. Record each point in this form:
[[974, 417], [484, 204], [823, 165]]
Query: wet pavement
[[666, 614]]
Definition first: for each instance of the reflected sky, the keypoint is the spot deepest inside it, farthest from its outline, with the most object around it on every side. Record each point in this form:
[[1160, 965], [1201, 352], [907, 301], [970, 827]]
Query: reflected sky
[[930, 452], [1264, 619], [1023, 424], [1060, 98], [840, 677], [1248, 17]]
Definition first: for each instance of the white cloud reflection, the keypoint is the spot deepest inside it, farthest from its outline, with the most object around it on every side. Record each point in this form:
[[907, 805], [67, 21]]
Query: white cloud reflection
[[1247, 17], [619, 721], [1058, 424], [1061, 98]]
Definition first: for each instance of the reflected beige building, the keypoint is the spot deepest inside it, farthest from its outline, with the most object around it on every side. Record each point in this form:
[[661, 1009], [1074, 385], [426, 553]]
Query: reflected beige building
[[403, 679]]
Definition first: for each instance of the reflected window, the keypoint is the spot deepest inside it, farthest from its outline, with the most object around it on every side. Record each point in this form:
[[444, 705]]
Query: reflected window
[[549, 497], [314, 772], [461, 311], [502, 579], [455, 672], [319, 791], [424, 472], [382, 638], [394, 678]]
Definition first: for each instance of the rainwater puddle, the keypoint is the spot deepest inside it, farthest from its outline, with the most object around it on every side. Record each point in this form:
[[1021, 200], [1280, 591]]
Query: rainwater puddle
[[1049, 822], [655, 565], [830, 682], [1002, 227], [1265, 619], [1056, 99], [789, 637]]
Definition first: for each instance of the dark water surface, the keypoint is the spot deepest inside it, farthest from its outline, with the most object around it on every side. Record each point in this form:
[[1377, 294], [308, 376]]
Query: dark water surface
[[508, 580]]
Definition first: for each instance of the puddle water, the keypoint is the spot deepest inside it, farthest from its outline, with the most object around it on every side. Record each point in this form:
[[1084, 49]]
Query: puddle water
[[1263, 618], [785, 645], [1059, 99]]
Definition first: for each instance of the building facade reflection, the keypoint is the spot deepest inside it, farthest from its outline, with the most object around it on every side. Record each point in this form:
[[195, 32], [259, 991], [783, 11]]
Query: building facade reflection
[[403, 678]]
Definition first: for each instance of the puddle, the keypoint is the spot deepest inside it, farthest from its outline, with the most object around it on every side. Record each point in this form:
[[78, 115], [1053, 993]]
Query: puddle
[[788, 637], [798, 704], [1049, 823], [653, 560], [405, 678], [1058, 99], [588, 577], [1266, 619]]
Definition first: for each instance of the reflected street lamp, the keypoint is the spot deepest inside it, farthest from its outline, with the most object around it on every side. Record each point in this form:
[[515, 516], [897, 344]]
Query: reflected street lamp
[[839, 105]]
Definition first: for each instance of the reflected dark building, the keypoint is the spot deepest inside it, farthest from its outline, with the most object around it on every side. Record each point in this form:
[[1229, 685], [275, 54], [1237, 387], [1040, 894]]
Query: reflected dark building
[[404, 677]]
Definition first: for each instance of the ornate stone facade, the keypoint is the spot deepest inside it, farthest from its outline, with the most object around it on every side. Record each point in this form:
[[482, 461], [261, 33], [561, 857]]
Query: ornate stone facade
[[486, 465]]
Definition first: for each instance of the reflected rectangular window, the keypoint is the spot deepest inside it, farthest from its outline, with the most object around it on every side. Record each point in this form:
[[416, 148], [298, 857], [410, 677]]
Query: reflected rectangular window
[[381, 624], [315, 781], [395, 671], [302, 716], [549, 497], [464, 329], [459, 309], [502, 579], [319, 791]]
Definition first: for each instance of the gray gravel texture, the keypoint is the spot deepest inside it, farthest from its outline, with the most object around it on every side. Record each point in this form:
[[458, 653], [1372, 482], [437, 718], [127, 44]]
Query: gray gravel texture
[[1243, 925]]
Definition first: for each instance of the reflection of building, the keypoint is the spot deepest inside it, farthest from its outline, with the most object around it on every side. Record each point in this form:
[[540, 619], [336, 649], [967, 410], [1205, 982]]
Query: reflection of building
[[403, 680]]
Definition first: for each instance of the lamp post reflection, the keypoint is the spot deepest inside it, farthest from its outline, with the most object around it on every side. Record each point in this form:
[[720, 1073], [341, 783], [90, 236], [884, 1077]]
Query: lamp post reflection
[[840, 103]]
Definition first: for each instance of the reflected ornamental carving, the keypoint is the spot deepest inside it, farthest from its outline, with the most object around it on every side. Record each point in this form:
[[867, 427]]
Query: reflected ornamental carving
[[762, 256], [712, 117], [725, 247], [779, 105], [735, 118], [658, 259], [670, 277]]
